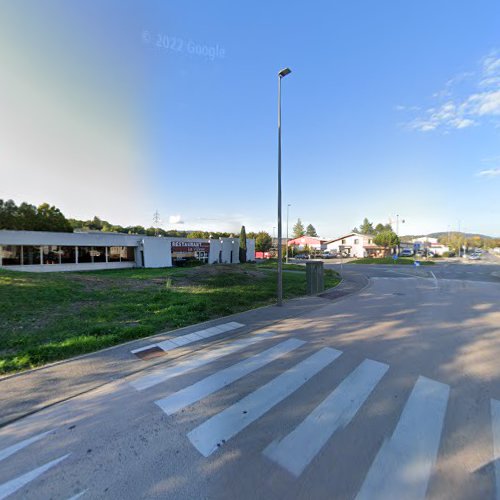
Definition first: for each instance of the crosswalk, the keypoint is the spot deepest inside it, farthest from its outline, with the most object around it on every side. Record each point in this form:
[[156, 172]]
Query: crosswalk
[[406, 458], [401, 465], [10, 487]]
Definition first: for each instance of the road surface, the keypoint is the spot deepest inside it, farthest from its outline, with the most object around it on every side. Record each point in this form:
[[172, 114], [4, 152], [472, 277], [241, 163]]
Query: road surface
[[390, 393]]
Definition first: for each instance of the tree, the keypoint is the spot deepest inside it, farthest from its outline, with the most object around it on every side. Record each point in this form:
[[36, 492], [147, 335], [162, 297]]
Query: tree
[[366, 227], [243, 245], [263, 241], [379, 228], [298, 229], [311, 231], [386, 239]]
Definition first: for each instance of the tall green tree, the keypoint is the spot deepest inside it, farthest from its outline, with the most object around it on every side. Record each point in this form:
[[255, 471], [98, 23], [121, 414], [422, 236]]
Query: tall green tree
[[386, 239], [243, 245], [366, 227], [298, 229], [311, 231], [263, 242]]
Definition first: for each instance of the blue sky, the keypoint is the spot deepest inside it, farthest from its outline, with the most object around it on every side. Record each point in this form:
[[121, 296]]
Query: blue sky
[[120, 108]]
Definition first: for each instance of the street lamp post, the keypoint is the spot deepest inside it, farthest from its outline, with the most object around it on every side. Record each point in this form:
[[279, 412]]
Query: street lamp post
[[287, 210], [281, 74]]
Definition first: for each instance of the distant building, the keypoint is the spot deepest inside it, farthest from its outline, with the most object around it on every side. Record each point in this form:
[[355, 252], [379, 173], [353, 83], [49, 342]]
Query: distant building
[[46, 251], [355, 245], [311, 242]]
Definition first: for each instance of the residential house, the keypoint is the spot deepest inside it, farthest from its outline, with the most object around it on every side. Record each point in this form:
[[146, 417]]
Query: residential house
[[355, 245]]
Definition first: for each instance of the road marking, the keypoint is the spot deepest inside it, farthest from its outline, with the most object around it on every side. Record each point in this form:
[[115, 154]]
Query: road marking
[[210, 435], [175, 342], [78, 495], [189, 395], [13, 485], [298, 448], [404, 463], [495, 427], [435, 280], [7, 452], [193, 362]]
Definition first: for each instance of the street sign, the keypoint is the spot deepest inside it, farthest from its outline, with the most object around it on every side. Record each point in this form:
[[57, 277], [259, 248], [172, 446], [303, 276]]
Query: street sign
[[417, 263], [395, 257]]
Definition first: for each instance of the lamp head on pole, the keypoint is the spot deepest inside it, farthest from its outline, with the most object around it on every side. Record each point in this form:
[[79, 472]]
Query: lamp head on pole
[[284, 72]]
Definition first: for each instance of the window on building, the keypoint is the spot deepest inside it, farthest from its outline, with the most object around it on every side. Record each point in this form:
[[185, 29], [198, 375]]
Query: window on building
[[11, 255], [121, 254], [98, 254], [343, 242], [84, 255], [51, 254], [31, 255], [356, 242], [114, 254], [68, 255], [370, 242], [128, 254]]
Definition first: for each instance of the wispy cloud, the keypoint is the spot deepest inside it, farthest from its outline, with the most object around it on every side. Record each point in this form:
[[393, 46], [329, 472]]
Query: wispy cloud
[[491, 172], [468, 99]]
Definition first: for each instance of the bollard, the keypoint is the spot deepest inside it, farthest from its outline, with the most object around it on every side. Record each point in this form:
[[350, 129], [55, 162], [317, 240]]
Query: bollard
[[314, 277]]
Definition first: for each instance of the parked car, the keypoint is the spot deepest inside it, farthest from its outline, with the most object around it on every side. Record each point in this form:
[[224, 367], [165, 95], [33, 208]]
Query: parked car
[[406, 252], [474, 256], [302, 256]]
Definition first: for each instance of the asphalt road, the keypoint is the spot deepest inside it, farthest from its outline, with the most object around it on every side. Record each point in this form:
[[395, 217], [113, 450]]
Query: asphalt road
[[390, 393]]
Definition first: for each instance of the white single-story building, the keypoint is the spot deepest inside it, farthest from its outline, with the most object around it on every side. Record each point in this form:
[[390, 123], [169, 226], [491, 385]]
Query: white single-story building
[[47, 251], [355, 245]]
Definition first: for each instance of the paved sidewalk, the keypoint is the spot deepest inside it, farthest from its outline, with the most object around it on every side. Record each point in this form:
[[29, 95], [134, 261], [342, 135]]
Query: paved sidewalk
[[27, 392]]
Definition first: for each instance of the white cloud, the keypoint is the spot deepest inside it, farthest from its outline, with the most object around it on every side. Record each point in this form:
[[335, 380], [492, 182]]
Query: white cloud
[[491, 172], [175, 219], [480, 101]]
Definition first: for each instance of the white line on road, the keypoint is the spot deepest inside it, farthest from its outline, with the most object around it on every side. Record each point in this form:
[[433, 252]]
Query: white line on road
[[495, 427], [298, 448], [189, 395], [78, 495], [191, 363], [404, 463], [175, 342], [435, 279], [210, 435], [13, 485], [7, 452]]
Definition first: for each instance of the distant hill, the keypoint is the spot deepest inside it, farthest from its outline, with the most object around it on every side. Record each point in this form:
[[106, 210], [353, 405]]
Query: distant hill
[[445, 233]]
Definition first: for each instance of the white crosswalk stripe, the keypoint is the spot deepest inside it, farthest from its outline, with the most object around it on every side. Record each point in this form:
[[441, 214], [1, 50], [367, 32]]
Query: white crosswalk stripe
[[175, 342], [15, 484], [298, 448], [7, 452], [210, 435], [189, 395], [184, 366], [404, 463]]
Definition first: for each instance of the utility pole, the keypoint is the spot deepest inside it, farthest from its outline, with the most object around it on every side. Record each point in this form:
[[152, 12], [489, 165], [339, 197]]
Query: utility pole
[[156, 221]]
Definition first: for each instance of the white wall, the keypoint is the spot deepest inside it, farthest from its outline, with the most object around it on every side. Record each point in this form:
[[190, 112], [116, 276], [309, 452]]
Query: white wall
[[356, 249], [157, 252], [226, 246], [47, 268]]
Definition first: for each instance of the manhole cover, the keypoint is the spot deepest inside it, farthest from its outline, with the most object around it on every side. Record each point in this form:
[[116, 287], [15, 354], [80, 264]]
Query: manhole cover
[[153, 352]]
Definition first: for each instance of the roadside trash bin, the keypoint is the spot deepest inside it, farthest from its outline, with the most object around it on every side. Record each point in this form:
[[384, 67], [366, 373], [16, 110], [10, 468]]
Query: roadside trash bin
[[314, 277]]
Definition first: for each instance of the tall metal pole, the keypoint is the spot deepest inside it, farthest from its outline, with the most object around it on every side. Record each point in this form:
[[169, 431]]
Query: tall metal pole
[[280, 250], [281, 74], [287, 210]]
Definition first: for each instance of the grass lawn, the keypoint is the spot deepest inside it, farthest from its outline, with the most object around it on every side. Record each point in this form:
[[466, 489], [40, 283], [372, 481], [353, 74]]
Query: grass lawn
[[389, 260], [46, 317]]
